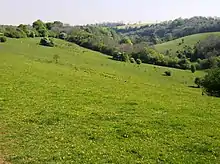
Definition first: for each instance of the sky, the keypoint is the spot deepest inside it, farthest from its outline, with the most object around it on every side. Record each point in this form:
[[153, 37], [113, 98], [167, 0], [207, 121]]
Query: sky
[[78, 12]]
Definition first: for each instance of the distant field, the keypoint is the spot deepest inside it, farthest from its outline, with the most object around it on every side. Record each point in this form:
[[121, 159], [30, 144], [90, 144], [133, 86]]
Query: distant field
[[90, 109], [188, 40], [133, 25]]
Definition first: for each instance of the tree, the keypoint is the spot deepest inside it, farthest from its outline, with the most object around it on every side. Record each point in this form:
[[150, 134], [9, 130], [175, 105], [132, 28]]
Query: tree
[[198, 82], [124, 57], [193, 68], [38, 24], [32, 34], [63, 35], [3, 39], [14, 32], [211, 82], [49, 25], [126, 41], [132, 60], [23, 29], [46, 42], [167, 73], [138, 61], [41, 28], [154, 39], [56, 58], [168, 36], [116, 55]]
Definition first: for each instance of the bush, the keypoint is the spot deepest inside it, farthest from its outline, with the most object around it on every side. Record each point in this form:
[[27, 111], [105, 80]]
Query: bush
[[132, 60], [198, 82], [124, 57], [167, 73], [56, 58], [46, 42], [32, 34], [14, 33], [63, 35], [3, 39], [193, 68], [139, 61], [120, 56], [211, 82]]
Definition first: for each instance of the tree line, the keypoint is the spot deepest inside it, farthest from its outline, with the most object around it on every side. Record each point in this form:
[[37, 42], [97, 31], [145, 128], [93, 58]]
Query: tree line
[[205, 54], [170, 30]]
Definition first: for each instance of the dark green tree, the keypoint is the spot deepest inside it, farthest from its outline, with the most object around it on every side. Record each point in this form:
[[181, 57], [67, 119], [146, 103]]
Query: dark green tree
[[132, 60], [3, 39], [198, 82], [41, 28], [211, 82], [46, 42], [193, 68], [63, 35], [56, 58], [138, 61]]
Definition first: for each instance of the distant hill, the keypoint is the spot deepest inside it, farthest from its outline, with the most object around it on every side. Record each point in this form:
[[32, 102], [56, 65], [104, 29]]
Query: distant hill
[[170, 30], [129, 26], [191, 40], [133, 41]]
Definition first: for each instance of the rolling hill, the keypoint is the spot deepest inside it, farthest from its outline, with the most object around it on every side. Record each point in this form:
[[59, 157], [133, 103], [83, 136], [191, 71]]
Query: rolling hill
[[188, 40], [88, 108]]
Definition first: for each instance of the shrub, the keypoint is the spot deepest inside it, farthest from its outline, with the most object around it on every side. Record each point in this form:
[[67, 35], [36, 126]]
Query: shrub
[[124, 57], [3, 39], [63, 35], [120, 56], [167, 73], [14, 33], [56, 58], [193, 68], [198, 82], [132, 60], [126, 41], [32, 34], [46, 42], [139, 61], [211, 82]]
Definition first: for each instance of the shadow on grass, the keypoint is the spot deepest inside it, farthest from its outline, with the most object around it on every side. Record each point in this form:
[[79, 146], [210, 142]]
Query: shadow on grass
[[110, 58], [192, 86]]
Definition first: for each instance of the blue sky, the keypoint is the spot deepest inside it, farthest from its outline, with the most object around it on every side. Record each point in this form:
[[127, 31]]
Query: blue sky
[[94, 11]]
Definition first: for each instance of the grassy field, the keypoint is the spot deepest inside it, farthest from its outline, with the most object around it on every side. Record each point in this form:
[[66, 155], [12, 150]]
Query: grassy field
[[90, 109], [188, 40], [135, 25]]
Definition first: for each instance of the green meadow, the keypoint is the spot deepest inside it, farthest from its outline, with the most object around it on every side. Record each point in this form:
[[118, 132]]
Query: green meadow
[[190, 40], [88, 108]]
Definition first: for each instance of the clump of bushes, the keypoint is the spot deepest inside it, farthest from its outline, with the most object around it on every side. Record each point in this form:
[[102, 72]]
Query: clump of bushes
[[62, 36], [3, 39], [132, 60], [167, 73], [120, 56], [32, 34], [211, 82], [47, 42], [14, 33], [198, 82], [56, 58], [139, 61], [193, 68]]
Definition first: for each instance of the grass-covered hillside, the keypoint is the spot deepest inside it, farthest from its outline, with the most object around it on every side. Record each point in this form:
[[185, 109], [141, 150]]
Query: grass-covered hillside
[[175, 45], [87, 108]]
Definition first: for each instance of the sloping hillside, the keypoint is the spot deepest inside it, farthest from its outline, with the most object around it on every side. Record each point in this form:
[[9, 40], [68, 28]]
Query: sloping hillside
[[168, 30], [87, 108], [175, 45]]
